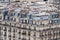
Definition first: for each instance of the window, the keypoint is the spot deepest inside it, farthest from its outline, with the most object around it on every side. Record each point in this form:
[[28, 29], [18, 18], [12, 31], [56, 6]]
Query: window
[[11, 14], [6, 13], [9, 35], [21, 21], [19, 38], [41, 35], [17, 1], [24, 26], [30, 16], [28, 33], [30, 21], [45, 0], [9, 30], [24, 33], [13, 39], [11, 19], [7, 17], [18, 14], [49, 33], [13, 30], [29, 38], [13, 36], [1, 28], [34, 34], [23, 15], [32, 2], [19, 32], [55, 21], [14, 19], [41, 38], [0, 12], [0, 17], [9, 38], [54, 15], [26, 21], [29, 28], [5, 34], [23, 38], [5, 29]]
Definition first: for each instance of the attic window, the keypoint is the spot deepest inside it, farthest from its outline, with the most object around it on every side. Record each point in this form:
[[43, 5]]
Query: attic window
[[45, 0]]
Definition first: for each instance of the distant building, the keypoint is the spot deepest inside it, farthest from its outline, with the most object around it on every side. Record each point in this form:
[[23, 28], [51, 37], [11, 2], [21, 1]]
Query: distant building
[[54, 1], [30, 0]]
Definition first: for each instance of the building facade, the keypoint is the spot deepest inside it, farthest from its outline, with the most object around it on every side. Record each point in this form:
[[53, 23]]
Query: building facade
[[31, 22]]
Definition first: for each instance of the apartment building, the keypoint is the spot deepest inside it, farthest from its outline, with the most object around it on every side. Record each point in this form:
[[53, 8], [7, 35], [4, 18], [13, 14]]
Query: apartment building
[[20, 22]]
